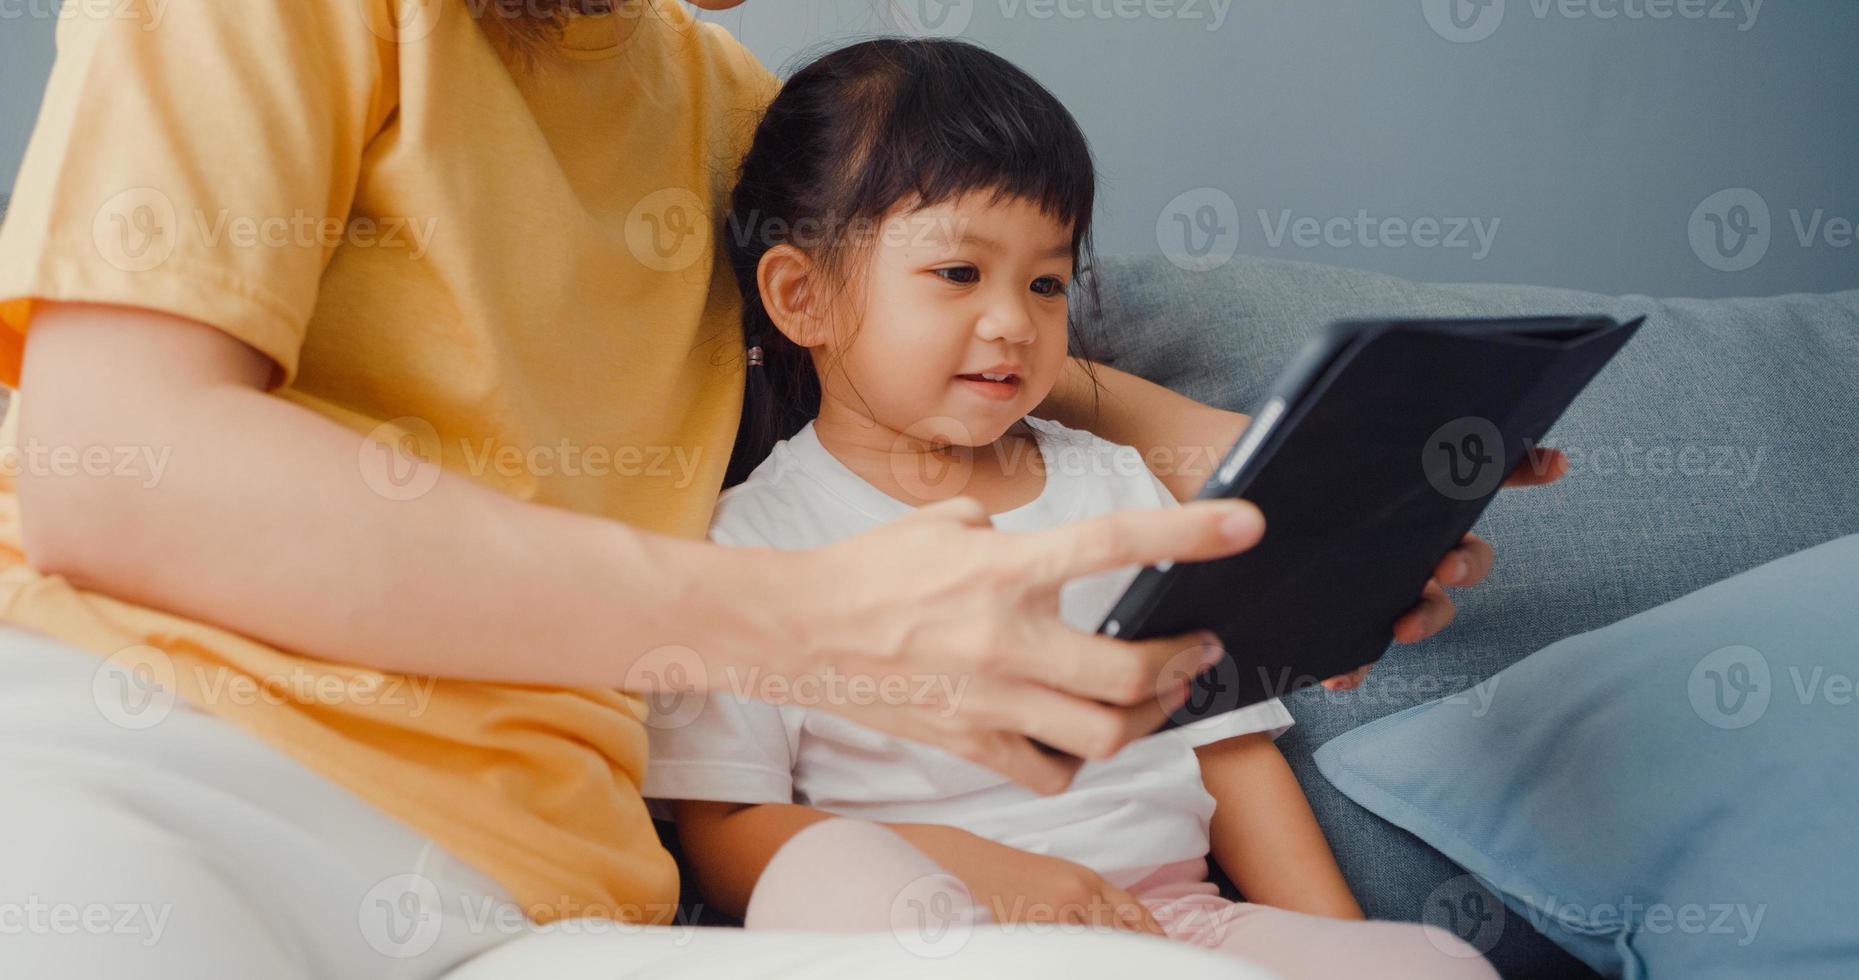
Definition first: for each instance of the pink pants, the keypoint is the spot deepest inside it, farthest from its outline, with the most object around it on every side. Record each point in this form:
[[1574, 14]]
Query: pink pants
[[846, 875]]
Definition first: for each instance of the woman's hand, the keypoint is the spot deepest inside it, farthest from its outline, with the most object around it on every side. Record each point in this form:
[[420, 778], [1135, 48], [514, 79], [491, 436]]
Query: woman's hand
[[1465, 565], [1019, 886], [952, 628]]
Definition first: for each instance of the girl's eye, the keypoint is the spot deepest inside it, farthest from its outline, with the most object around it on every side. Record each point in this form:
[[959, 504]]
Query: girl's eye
[[1049, 286], [961, 275]]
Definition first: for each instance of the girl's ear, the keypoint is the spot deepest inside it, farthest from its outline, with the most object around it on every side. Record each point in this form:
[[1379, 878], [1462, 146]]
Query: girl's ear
[[786, 277]]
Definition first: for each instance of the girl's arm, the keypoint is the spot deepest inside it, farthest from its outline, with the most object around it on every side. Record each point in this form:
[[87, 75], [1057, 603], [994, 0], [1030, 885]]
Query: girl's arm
[[729, 845], [1181, 439], [1265, 836]]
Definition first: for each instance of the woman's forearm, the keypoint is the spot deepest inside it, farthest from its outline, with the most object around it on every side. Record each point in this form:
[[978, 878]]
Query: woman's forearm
[[1181, 439], [261, 522], [1265, 836]]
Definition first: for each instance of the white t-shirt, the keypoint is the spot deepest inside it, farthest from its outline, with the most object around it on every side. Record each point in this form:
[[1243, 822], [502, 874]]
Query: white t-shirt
[[1122, 817]]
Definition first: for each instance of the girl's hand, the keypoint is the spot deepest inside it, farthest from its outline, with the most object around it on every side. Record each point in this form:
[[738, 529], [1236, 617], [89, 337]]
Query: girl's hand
[[1019, 886], [956, 626], [1465, 565]]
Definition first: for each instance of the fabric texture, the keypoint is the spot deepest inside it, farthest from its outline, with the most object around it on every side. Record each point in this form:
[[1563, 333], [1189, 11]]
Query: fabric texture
[[1671, 795], [1123, 817], [214, 853], [1716, 441], [851, 876], [510, 274]]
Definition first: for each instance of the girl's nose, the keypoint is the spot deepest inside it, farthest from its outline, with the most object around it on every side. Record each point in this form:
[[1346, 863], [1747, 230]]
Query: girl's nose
[[1007, 319]]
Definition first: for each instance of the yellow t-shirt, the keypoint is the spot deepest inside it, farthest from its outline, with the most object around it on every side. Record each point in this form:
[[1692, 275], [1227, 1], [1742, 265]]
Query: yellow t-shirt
[[514, 270]]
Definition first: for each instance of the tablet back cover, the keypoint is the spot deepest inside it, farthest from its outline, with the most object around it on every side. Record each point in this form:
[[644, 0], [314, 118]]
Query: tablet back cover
[[1372, 482]]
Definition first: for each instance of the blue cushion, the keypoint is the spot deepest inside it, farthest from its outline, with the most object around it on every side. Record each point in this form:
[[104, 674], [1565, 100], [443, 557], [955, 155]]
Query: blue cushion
[[1674, 795]]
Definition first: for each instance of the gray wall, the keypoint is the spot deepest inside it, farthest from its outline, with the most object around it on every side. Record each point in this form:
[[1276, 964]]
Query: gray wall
[[1590, 149], [25, 58]]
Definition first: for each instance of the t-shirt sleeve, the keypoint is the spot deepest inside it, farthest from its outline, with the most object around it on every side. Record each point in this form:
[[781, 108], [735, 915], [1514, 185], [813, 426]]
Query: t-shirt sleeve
[[723, 747], [731, 750], [193, 160], [1267, 716], [1164, 497]]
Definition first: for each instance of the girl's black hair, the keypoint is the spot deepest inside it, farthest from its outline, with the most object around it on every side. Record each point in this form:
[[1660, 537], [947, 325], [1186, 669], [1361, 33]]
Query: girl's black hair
[[853, 135]]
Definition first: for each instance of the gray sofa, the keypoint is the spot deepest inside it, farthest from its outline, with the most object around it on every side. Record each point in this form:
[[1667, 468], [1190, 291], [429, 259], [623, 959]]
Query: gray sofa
[[1725, 435], [1722, 437]]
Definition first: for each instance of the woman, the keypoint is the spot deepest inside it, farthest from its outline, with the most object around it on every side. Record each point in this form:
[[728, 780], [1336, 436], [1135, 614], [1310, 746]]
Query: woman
[[400, 328]]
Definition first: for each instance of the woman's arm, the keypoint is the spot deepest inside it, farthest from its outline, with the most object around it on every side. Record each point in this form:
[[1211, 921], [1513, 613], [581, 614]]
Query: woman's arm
[[1264, 834], [261, 522]]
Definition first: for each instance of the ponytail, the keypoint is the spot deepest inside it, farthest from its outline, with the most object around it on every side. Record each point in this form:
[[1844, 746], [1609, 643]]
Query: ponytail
[[780, 392]]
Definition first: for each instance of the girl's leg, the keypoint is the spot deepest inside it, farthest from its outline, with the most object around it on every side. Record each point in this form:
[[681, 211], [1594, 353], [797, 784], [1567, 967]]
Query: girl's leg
[[917, 920], [1298, 946], [846, 875], [186, 847]]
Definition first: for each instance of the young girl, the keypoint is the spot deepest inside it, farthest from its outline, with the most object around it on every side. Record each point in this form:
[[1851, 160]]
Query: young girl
[[906, 228]]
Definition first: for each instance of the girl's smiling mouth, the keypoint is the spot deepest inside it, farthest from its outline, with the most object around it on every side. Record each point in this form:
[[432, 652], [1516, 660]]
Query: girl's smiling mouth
[[1000, 382]]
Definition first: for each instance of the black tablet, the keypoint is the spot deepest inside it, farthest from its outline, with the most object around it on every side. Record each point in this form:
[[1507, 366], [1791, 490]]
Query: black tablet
[[1372, 457]]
